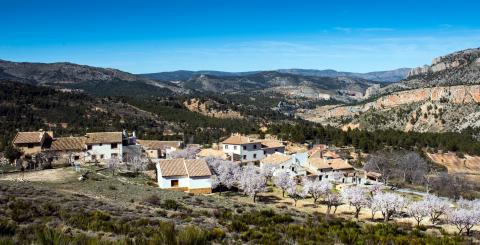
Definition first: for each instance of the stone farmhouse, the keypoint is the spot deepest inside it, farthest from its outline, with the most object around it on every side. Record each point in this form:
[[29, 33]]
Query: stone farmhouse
[[31, 143]]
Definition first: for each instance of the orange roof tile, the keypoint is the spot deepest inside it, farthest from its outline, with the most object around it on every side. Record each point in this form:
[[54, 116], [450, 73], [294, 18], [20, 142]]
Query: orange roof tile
[[103, 137], [68, 144], [28, 137]]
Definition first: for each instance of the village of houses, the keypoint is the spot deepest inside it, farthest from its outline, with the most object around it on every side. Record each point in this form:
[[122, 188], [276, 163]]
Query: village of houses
[[192, 173]]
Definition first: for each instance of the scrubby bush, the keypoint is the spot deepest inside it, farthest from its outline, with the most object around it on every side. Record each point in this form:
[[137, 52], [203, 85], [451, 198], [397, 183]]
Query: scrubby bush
[[192, 235], [171, 204]]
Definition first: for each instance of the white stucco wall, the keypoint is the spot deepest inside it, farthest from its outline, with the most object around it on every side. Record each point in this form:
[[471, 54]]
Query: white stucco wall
[[251, 154], [183, 181], [105, 150], [200, 182]]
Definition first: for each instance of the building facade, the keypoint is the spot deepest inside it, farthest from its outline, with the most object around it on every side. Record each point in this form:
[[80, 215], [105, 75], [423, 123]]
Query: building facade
[[190, 175], [103, 146]]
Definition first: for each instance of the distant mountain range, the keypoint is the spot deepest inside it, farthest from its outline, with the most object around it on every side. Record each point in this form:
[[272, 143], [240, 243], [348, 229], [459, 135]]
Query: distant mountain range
[[380, 76], [293, 83]]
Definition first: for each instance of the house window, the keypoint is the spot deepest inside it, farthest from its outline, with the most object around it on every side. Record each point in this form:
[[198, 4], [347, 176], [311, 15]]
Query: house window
[[276, 150], [114, 155], [282, 167], [114, 146], [293, 169], [245, 147], [226, 147], [174, 183], [254, 155], [89, 147], [76, 158], [254, 146], [264, 152], [30, 145], [234, 147], [102, 156], [100, 144], [244, 157]]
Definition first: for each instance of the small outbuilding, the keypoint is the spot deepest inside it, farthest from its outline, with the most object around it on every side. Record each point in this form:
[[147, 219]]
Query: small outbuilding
[[190, 175]]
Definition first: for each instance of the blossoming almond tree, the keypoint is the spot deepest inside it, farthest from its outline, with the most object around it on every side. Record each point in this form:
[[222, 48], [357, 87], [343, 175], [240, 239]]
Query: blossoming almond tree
[[436, 207], [418, 210], [294, 191], [252, 181], [463, 219], [332, 199], [282, 180], [388, 204], [316, 188], [356, 197]]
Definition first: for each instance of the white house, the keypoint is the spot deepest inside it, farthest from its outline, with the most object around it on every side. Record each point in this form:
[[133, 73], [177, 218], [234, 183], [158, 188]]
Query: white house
[[293, 164], [103, 145], [243, 149], [192, 175]]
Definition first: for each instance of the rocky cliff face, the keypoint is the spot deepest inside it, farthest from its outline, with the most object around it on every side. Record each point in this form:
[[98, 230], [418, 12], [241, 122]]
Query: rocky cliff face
[[437, 109], [459, 68]]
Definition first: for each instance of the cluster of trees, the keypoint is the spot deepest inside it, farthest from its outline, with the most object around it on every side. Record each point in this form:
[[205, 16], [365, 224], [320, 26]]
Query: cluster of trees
[[370, 141], [253, 180], [407, 168], [195, 127]]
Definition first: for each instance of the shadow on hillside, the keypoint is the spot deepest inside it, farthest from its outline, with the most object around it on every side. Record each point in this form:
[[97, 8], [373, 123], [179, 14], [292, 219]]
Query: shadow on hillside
[[269, 199]]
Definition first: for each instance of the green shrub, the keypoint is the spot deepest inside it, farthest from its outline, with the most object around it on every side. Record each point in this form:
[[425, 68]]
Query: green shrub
[[7, 228], [171, 204], [238, 225], [153, 200], [216, 234], [192, 235]]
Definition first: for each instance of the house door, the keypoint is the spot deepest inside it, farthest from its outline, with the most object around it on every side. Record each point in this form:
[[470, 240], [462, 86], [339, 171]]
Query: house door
[[174, 183]]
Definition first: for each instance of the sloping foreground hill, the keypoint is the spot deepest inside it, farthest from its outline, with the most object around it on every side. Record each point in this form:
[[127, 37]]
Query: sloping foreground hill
[[109, 211]]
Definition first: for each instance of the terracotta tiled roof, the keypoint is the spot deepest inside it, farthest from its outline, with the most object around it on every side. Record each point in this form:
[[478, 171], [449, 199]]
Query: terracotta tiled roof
[[28, 137], [197, 168], [159, 145], [272, 144], [331, 154], [68, 144], [276, 158], [239, 140], [184, 167], [319, 163], [103, 137], [339, 164], [172, 167], [212, 153]]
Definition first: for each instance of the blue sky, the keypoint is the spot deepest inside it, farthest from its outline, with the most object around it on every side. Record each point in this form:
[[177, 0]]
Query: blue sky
[[151, 36]]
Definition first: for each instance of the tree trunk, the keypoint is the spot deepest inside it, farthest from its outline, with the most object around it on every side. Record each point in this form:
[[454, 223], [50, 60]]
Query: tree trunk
[[283, 193], [357, 212], [254, 196]]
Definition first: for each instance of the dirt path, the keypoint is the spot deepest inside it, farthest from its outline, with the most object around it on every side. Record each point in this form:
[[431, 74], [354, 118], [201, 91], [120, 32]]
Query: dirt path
[[48, 175]]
